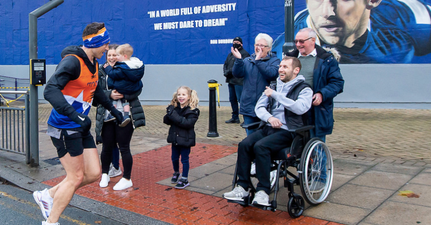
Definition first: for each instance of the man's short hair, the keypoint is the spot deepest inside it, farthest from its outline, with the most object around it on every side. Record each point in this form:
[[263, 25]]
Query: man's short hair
[[92, 28], [125, 49], [295, 61], [311, 32], [266, 37]]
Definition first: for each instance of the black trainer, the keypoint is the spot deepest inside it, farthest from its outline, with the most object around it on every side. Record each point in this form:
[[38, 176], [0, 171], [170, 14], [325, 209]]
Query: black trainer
[[182, 183], [232, 120], [175, 177]]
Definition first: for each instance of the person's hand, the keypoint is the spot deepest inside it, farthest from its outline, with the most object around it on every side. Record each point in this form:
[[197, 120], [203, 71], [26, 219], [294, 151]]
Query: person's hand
[[99, 140], [116, 95], [170, 109], [81, 119], [268, 91], [275, 123], [105, 65], [235, 52], [317, 99], [117, 114], [259, 53]]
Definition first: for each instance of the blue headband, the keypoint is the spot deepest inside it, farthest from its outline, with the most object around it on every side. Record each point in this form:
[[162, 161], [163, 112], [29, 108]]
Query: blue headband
[[97, 40]]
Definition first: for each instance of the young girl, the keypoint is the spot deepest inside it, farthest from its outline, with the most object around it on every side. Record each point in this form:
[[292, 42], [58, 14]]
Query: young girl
[[182, 115]]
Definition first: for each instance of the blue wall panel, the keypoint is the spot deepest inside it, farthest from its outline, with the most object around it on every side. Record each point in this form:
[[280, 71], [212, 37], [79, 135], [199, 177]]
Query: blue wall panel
[[130, 22], [135, 22]]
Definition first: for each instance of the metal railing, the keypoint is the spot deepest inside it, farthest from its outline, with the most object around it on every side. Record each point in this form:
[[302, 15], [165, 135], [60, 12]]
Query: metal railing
[[14, 132], [12, 84]]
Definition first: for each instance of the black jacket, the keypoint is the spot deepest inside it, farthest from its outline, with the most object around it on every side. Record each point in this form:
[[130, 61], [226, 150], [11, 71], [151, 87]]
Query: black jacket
[[136, 110], [227, 68], [182, 121]]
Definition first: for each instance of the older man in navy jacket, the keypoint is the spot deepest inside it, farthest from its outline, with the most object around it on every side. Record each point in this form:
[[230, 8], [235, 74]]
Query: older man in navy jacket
[[321, 72], [258, 70]]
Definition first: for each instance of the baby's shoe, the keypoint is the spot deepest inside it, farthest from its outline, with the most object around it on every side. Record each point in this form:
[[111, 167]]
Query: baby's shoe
[[126, 119]]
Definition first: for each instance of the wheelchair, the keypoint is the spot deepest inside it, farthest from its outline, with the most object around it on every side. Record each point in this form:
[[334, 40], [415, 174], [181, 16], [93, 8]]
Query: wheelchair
[[313, 162]]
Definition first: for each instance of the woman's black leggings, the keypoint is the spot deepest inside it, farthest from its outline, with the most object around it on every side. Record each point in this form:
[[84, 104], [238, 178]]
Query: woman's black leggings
[[112, 134]]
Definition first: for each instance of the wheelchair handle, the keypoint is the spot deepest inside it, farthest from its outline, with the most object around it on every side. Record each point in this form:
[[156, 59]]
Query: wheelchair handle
[[302, 130], [251, 125]]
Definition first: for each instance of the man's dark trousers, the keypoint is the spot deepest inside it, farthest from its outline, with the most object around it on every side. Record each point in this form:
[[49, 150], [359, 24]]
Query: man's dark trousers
[[234, 97], [259, 145]]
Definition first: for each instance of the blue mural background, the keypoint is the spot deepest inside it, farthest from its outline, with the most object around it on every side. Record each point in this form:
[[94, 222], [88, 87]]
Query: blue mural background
[[131, 22]]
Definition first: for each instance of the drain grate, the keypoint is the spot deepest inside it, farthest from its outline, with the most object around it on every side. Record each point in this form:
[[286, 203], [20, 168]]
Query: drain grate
[[53, 161]]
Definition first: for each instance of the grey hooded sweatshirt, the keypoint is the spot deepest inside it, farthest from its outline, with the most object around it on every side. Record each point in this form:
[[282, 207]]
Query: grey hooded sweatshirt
[[299, 106]]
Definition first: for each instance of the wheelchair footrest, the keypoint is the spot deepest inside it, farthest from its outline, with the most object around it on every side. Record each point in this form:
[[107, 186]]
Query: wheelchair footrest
[[272, 207], [245, 202], [263, 207]]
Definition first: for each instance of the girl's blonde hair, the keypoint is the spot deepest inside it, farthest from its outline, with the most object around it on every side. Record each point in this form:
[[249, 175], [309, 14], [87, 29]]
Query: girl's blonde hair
[[192, 102]]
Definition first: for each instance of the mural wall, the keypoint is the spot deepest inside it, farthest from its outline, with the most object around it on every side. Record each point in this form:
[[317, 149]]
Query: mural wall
[[372, 31], [162, 32], [201, 31]]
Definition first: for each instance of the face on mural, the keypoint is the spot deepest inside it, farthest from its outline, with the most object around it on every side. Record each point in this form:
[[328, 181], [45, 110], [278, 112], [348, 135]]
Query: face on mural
[[339, 21]]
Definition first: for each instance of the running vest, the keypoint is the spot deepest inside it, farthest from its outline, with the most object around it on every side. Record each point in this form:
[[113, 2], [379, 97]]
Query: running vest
[[79, 94]]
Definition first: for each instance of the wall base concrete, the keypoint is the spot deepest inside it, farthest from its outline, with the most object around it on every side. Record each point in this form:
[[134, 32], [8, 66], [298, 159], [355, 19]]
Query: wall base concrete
[[382, 105], [403, 86]]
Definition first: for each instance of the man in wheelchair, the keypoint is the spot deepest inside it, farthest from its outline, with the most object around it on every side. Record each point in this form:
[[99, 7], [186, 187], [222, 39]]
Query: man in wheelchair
[[280, 111]]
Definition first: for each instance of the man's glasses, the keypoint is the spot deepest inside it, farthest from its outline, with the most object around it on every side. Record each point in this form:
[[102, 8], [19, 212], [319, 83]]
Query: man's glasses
[[301, 41], [261, 46]]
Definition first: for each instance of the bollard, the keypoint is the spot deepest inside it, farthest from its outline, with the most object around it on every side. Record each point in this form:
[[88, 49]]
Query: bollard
[[212, 131]]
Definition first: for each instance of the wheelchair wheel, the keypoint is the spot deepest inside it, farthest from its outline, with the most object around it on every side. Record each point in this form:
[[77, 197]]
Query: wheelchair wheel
[[295, 206], [315, 171]]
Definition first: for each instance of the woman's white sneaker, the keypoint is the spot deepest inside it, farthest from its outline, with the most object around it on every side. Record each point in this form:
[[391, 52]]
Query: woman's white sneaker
[[104, 181], [123, 184]]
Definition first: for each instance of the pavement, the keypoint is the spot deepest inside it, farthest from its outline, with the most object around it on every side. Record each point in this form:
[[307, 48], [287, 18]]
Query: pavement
[[382, 173]]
